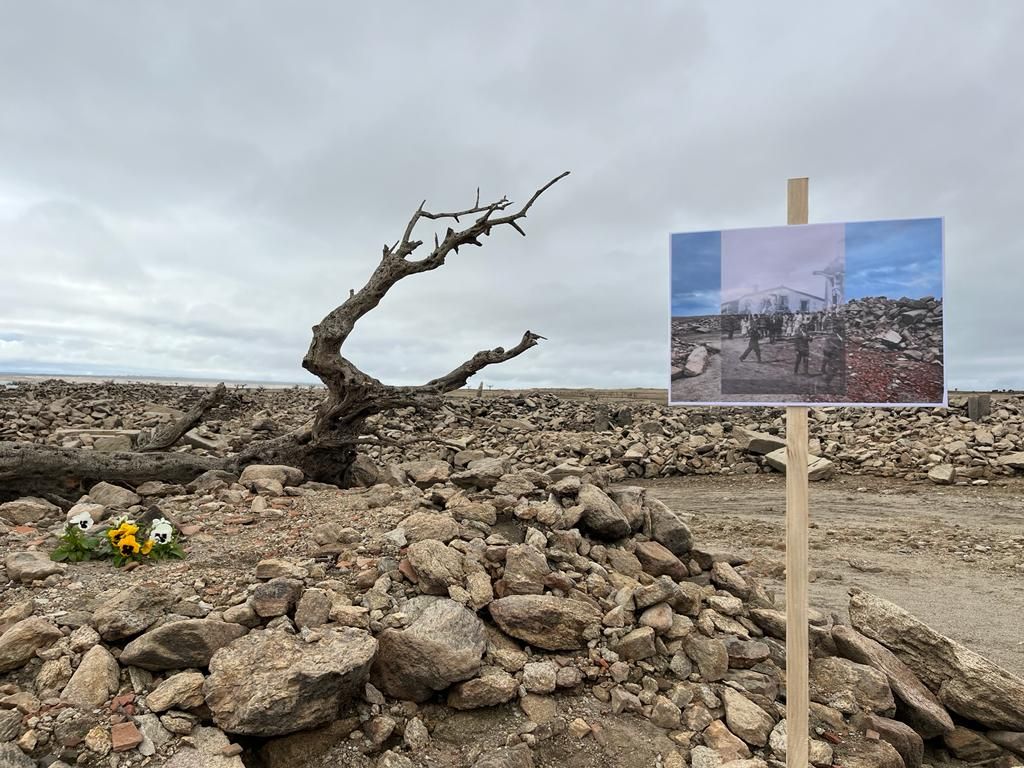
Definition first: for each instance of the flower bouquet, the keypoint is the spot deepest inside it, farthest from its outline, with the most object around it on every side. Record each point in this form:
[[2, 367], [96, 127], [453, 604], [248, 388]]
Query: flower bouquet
[[123, 541]]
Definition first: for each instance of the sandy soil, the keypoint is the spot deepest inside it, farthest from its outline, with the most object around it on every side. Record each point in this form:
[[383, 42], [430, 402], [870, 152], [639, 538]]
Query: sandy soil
[[953, 556]]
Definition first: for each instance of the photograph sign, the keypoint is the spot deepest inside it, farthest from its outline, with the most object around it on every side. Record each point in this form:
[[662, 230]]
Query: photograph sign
[[814, 314]]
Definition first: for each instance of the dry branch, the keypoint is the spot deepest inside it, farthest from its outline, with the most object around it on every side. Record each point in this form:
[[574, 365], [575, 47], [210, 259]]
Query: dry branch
[[170, 434]]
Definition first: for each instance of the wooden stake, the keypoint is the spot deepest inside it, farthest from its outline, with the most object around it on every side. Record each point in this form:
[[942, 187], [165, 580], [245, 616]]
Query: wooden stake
[[797, 742]]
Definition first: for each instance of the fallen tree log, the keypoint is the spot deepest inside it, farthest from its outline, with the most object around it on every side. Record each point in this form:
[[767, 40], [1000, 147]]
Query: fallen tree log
[[25, 465]]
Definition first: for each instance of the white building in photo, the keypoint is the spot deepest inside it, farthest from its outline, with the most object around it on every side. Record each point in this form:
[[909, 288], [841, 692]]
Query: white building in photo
[[774, 300]]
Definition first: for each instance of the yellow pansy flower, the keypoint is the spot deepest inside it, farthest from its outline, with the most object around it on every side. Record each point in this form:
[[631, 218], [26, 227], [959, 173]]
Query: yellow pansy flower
[[127, 545], [147, 547]]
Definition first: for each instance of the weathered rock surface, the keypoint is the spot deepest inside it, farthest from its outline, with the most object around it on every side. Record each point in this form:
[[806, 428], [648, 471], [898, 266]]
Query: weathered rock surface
[[437, 566], [180, 644], [20, 643], [963, 681], [601, 515], [271, 683], [443, 644], [95, 680], [545, 621], [848, 686], [131, 611], [918, 705], [30, 565]]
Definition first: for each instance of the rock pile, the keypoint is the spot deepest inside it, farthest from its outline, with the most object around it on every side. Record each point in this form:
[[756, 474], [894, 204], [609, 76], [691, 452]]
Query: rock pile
[[558, 593], [913, 327], [542, 431]]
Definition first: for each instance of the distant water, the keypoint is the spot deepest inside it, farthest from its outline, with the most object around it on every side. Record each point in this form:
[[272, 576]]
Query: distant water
[[12, 379]]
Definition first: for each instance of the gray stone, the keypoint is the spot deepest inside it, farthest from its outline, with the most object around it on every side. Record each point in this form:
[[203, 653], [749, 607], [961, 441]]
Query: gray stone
[[709, 654], [427, 472], [30, 565], [276, 597], [180, 644], [437, 566], [818, 467], [964, 682], [95, 680], [113, 496], [21, 641], [132, 610], [746, 719], [181, 691], [272, 683], [424, 526], [918, 705], [12, 757], [525, 570], [489, 690], [667, 528], [26, 510], [943, 474], [282, 474], [601, 516], [443, 644], [848, 686], [545, 621], [314, 608], [208, 752]]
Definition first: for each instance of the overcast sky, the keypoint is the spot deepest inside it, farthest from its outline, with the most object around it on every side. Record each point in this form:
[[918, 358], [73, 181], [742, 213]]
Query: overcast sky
[[187, 187]]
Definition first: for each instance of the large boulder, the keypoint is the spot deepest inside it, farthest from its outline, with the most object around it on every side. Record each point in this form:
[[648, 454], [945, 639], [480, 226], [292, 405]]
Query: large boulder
[[20, 643], [545, 621], [180, 644], [443, 644], [918, 705], [667, 528], [272, 683], [602, 516], [963, 681], [850, 687]]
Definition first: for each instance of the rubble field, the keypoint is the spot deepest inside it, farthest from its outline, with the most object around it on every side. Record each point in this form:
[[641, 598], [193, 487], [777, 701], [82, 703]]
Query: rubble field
[[560, 583]]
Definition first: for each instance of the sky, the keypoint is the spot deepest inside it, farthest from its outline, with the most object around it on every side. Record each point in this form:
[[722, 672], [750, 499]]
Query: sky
[[894, 258], [186, 188], [696, 273], [764, 258]]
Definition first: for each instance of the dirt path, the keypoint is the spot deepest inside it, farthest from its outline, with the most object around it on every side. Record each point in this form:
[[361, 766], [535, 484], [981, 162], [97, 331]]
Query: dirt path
[[953, 556]]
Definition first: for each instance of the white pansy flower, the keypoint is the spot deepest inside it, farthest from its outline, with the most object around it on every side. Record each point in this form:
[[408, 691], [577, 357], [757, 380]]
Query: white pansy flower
[[82, 521], [161, 531]]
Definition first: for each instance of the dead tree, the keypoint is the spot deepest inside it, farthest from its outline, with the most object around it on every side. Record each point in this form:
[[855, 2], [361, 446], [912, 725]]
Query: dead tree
[[326, 446]]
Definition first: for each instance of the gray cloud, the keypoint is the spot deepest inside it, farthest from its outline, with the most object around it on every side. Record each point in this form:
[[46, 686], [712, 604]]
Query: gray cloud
[[187, 188]]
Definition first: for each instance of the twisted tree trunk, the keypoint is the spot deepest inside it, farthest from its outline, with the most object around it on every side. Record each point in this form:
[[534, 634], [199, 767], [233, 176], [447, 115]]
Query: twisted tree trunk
[[324, 448]]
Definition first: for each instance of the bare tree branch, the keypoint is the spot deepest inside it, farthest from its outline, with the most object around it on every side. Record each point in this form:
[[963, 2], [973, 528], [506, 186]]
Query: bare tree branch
[[328, 336], [457, 378], [171, 433]]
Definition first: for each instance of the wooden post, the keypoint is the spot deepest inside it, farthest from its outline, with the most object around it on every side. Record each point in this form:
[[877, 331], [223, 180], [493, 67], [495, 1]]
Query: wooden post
[[797, 742]]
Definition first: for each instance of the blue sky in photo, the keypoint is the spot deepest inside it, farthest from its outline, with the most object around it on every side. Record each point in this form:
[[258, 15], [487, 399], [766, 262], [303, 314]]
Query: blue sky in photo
[[894, 258], [696, 273]]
